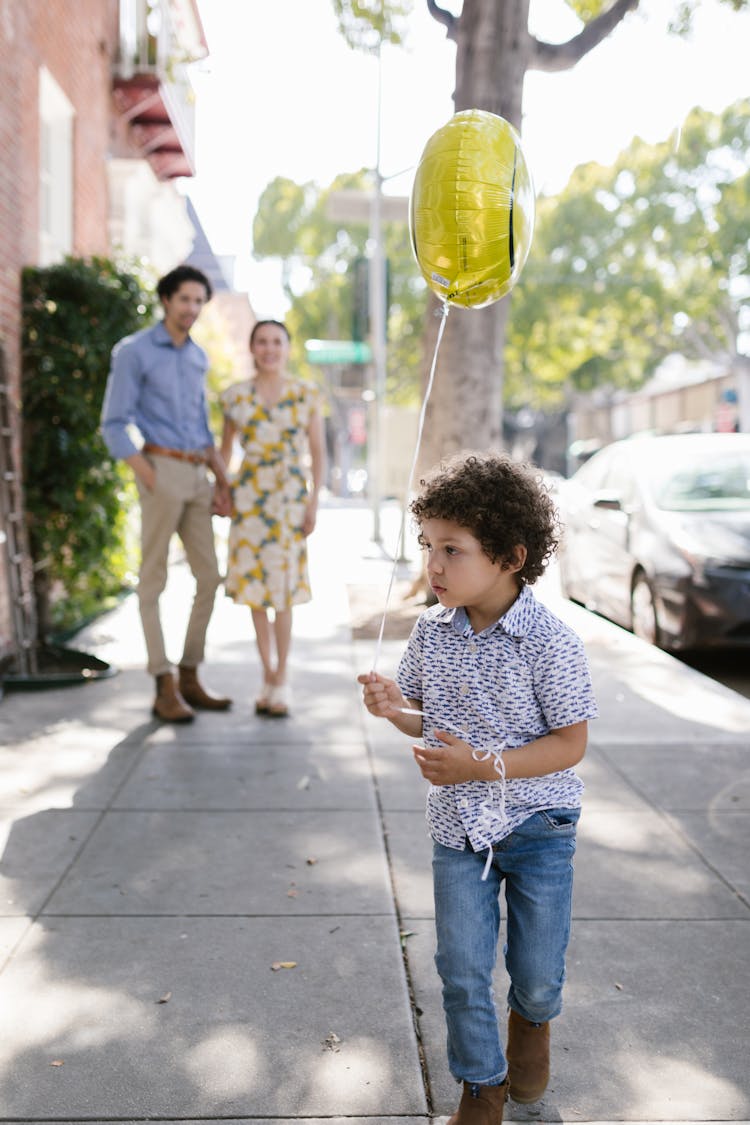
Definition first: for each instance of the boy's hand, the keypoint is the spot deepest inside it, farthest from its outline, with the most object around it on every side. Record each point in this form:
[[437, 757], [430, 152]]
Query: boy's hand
[[382, 697], [449, 764]]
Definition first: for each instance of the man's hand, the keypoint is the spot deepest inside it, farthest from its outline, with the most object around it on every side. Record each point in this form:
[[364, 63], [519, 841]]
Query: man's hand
[[143, 469], [222, 500]]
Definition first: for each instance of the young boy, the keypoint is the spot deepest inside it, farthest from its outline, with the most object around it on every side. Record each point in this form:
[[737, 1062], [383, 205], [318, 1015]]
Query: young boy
[[504, 694]]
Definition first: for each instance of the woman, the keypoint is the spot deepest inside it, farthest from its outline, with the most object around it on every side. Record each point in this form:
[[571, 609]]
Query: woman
[[276, 419]]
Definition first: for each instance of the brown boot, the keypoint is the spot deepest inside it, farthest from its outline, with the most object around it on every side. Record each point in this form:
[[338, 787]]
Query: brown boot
[[196, 695], [481, 1105], [528, 1058], [169, 704]]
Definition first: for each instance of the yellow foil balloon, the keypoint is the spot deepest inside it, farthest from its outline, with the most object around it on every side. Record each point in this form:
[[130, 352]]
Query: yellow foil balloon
[[471, 213]]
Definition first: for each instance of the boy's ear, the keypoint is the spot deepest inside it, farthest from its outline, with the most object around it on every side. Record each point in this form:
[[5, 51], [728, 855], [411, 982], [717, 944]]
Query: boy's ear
[[514, 561]]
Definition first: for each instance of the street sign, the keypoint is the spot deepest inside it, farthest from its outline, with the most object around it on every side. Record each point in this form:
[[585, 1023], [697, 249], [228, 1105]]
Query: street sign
[[338, 351]]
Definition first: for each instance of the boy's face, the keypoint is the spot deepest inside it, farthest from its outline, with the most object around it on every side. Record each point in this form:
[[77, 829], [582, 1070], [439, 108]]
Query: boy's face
[[461, 574]]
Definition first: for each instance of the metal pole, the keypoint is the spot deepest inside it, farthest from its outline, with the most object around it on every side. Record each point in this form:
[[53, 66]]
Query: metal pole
[[377, 327]]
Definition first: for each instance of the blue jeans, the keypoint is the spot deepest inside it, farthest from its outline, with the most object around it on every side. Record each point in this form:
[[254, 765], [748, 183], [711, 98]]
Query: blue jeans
[[535, 861]]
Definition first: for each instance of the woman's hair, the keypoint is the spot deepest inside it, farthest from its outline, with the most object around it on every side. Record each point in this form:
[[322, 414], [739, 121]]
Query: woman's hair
[[501, 502], [276, 323]]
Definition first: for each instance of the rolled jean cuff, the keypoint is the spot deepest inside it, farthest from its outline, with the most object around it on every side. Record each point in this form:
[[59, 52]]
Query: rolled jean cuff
[[494, 1081]]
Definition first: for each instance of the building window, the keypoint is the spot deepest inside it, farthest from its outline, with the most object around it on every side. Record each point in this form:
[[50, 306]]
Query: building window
[[55, 171]]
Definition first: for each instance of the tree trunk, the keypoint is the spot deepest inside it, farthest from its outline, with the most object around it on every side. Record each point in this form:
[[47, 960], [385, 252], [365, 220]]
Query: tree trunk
[[493, 49]]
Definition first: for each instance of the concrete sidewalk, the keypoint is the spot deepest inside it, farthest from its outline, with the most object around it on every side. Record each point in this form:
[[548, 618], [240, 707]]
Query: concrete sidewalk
[[154, 879]]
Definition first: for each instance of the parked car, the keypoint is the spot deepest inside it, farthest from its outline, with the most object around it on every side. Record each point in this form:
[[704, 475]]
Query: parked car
[[657, 538]]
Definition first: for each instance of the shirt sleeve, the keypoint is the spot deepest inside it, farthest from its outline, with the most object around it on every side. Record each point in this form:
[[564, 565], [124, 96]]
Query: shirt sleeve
[[209, 437], [120, 400], [562, 682], [226, 401]]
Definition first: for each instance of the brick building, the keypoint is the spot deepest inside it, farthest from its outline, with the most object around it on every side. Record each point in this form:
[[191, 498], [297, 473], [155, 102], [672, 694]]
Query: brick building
[[96, 123]]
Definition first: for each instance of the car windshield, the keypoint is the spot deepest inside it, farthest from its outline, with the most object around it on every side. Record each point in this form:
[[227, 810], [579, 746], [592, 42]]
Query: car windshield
[[721, 480]]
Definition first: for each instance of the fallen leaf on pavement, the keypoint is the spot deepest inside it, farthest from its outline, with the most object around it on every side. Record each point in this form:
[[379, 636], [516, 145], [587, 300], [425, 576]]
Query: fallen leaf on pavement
[[283, 965], [331, 1042], [165, 998], [57, 1062]]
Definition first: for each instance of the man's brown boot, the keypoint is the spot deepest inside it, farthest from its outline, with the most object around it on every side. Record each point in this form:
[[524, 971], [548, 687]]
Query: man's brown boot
[[169, 704], [528, 1058], [196, 695], [481, 1105]]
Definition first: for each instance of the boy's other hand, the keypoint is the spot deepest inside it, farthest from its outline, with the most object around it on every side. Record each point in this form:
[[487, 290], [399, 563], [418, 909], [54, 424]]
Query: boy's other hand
[[449, 764]]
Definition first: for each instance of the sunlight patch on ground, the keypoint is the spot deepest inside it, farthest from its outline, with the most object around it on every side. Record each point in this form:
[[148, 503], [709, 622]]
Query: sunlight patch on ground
[[226, 1063], [66, 1016], [681, 1088]]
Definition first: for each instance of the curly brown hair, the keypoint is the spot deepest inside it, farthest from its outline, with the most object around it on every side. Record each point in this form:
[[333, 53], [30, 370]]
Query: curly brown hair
[[503, 503]]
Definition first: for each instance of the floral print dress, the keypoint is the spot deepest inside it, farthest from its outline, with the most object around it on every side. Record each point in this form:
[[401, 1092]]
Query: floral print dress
[[267, 564]]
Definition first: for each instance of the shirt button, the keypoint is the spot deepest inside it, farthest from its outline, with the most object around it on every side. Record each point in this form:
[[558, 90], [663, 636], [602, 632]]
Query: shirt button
[[473, 646], [463, 690], [464, 803]]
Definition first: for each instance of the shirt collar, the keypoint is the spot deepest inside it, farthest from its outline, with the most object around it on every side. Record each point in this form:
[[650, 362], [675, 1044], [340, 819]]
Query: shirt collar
[[520, 617], [162, 337], [516, 622]]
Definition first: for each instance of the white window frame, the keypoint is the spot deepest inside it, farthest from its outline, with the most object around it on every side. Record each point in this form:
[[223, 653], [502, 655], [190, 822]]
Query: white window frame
[[56, 118]]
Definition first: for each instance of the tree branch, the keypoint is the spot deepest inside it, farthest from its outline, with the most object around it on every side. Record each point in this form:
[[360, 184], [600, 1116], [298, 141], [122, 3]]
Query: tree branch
[[448, 20], [563, 56]]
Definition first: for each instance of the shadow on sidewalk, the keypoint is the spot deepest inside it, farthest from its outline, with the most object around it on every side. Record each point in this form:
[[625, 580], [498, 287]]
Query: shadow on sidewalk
[[153, 889]]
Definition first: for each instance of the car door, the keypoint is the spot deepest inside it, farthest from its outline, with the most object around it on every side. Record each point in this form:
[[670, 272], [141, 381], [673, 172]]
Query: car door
[[580, 562], [612, 507]]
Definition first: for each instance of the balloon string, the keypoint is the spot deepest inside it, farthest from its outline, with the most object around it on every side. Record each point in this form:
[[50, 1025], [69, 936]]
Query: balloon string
[[412, 470]]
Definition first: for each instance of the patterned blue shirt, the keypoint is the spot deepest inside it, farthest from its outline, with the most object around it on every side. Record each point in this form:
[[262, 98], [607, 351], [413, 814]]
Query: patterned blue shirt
[[504, 687], [159, 387]]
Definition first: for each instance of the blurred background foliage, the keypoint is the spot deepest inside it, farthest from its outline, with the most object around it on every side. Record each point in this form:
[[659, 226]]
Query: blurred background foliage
[[77, 498], [629, 263]]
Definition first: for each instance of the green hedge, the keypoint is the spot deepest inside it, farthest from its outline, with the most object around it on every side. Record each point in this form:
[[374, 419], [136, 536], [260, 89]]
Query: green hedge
[[77, 497]]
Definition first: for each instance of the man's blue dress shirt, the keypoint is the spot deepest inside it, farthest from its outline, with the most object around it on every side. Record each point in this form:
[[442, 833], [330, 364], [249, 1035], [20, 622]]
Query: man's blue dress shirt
[[159, 387]]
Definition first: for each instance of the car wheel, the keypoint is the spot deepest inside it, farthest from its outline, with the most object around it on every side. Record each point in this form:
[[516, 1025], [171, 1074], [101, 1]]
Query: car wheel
[[645, 623]]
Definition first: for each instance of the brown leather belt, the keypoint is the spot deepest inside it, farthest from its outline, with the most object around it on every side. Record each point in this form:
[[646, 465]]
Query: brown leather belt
[[178, 454]]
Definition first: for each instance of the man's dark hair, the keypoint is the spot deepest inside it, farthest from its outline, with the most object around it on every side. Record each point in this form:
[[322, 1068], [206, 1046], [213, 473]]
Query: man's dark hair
[[168, 285], [501, 502]]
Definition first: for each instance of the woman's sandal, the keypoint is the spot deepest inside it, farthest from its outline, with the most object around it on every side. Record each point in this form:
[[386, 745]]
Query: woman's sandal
[[263, 700], [278, 701]]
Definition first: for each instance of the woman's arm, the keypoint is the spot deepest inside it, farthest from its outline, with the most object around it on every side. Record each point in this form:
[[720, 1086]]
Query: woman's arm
[[218, 460], [217, 465], [316, 441], [227, 440]]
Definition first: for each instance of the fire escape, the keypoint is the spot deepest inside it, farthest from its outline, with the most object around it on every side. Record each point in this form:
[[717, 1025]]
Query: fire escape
[[152, 90]]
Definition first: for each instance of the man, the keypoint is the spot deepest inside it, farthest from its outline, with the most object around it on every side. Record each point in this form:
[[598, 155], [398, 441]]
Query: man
[[158, 382]]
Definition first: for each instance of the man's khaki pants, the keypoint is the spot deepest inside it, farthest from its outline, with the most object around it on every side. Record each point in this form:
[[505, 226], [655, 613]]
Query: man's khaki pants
[[180, 502]]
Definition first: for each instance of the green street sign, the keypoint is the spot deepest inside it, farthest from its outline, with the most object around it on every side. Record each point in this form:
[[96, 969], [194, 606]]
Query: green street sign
[[338, 351]]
